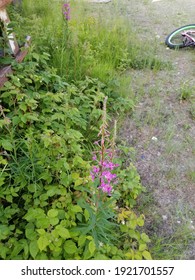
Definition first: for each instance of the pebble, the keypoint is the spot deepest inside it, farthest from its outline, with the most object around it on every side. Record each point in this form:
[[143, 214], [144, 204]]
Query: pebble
[[164, 217]]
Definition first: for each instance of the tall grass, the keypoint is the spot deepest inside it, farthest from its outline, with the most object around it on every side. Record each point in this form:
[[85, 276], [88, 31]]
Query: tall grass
[[96, 42]]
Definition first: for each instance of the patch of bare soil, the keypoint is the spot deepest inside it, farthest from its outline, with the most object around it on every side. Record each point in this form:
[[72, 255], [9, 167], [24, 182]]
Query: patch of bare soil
[[162, 129]]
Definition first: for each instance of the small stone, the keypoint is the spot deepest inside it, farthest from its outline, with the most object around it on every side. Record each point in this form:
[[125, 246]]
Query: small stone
[[164, 217], [154, 138]]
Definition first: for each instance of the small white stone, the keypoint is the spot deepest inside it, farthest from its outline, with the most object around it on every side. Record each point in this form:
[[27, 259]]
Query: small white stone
[[164, 217], [154, 138]]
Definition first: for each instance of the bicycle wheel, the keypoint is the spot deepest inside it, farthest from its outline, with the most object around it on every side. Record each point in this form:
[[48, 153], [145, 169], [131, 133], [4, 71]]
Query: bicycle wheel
[[175, 39]]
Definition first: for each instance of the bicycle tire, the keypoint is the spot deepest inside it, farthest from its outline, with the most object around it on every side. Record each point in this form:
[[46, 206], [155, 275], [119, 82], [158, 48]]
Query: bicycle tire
[[175, 40]]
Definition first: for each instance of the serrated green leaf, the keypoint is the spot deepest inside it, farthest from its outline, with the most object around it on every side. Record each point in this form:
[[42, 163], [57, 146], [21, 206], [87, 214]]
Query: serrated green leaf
[[7, 145], [63, 232], [89, 237], [61, 214], [32, 188], [86, 214], [86, 255], [146, 255], [30, 234], [3, 161], [28, 80], [142, 247], [75, 175], [124, 228], [79, 217], [3, 251], [15, 120], [52, 213], [41, 231], [33, 247], [92, 247], [36, 56], [34, 213], [81, 240], [132, 224], [53, 190], [114, 250], [4, 231], [23, 107], [76, 208], [32, 117], [70, 247], [138, 256], [53, 221], [43, 222], [9, 198], [42, 243], [145, 237], [140, 222], [16, 250], [134, 234], [8, 85], [129, 255], [78, 182]]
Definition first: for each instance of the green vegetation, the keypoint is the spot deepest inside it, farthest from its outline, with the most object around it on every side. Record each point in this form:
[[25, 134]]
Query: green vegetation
[[47, 195], [92, 43], [187, 92], [51, 113]]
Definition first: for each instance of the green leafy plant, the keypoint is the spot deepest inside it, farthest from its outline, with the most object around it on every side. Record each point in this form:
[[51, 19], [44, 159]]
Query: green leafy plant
[[47, 204]]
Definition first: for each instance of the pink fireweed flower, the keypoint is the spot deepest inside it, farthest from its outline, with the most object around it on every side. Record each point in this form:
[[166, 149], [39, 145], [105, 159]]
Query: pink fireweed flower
[[96, 169], [108, 176], [92, 176], [110, 165], [102, 170], [94, 157], [107, 188], [96, 142], [66, 11]]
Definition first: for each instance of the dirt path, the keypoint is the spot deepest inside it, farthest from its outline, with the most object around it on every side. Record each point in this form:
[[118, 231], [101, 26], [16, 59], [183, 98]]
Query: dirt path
[[162, 130]]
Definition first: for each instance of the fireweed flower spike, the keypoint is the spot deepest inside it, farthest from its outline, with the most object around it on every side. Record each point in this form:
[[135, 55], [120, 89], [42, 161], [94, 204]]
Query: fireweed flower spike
[[104, 158], [66, 11]]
